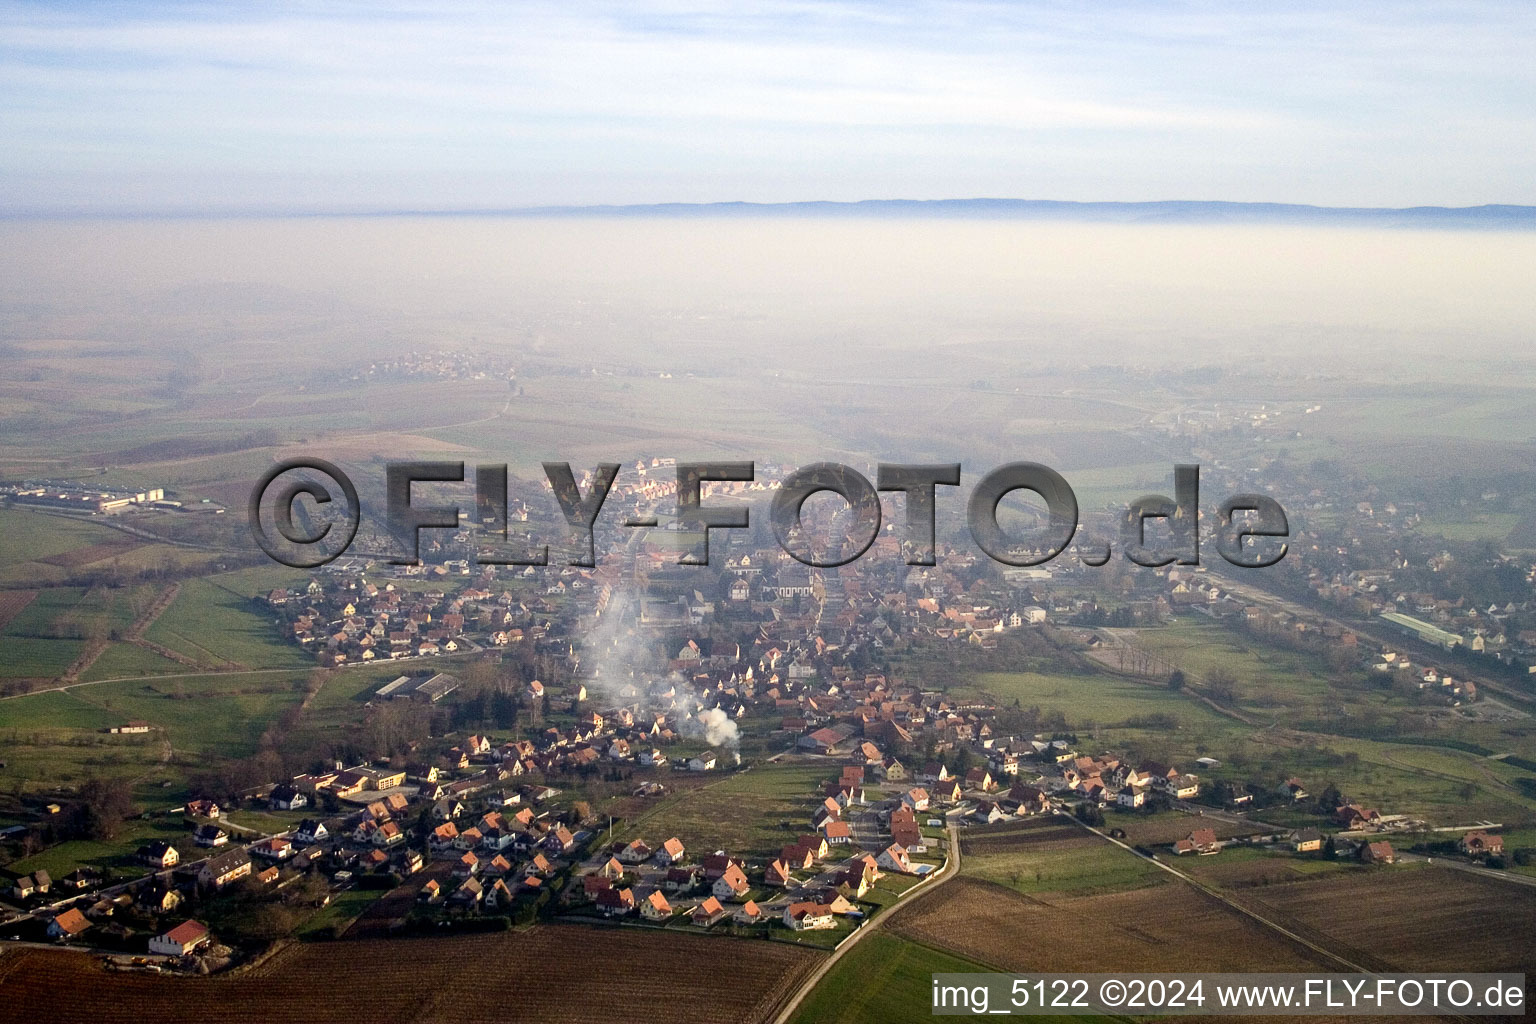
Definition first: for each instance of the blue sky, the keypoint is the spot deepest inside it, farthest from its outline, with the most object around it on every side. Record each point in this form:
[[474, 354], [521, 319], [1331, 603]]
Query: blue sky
[[143, 107]]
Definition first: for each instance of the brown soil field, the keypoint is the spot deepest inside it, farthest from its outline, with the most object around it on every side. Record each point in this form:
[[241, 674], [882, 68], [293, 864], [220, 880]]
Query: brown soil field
[[1042, 835], [1166, 928], [1411, 918], [77, 557], [12, 602], [1280, 869], [1169, 827], [561, 973]]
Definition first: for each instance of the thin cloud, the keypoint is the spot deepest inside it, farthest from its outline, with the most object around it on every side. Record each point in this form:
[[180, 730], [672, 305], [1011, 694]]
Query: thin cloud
[[1425, 103]]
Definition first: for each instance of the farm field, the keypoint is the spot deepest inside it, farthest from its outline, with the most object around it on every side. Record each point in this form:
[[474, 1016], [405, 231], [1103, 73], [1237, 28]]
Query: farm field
[[1106, 701], [57, 736], [1247, 867], [223, 715], [215, 622], [122, 659], [115, 854], [1163, 928], [1049, 855], [1201, 648], [583, 975], [42, 549], [1171, 826], [1406, 918], [885, 979], [751, 812]]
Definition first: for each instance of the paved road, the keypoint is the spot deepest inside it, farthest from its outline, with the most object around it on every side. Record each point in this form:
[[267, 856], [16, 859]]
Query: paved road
[[950, 869]]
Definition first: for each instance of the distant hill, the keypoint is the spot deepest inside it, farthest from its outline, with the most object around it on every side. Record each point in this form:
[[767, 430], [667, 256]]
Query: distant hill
[[1168, 212]]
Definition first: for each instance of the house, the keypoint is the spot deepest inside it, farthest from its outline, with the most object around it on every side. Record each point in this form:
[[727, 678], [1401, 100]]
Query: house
[[1378, 853], [824, 741], [716, 864], [287, 798], [466, 866], [934, 771], [732, 884], [1182, 787], [202, 809], [681, 879], [1030, 799], [1307, 840], [817, 845], [431, 892], [210, 836], [748, 913], [916, 799], [560, 840], [1202, 841], [671, 852], [68, 925], [835, 901], [224, 869], [1131, 797], [707, 912], [1481, 844], [35, 884], [637, 852], [808, 916], [615, 902], [906, 834], [469, 893], [655, 907], [777, 874], [705, 762], [159, 854], [837, 832], [310, 832], [444, 836], [988, 813], [894, 858], [276, 848], [980, 778], [158, 898], [1292, 790], [1352, 816]]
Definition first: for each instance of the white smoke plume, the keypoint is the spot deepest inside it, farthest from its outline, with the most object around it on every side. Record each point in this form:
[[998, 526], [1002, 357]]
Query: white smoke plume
[[719, 729]]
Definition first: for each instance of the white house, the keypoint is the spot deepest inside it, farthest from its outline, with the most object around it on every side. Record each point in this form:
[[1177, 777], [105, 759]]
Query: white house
[[181, 940]]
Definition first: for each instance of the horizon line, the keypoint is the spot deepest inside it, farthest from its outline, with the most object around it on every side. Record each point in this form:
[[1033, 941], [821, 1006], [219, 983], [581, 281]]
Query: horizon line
[[1121, 211]]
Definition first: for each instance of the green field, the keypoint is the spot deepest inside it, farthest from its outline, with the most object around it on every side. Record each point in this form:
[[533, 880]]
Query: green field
[[215, 622], [115, 854], [124, 659], [884, 979], [344, 908], [31, 657], [750, 812], [1266, 678], [1079, 870]]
